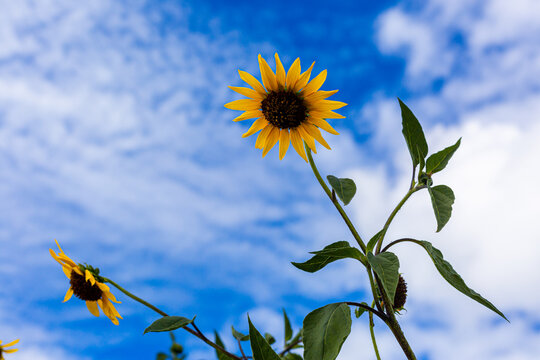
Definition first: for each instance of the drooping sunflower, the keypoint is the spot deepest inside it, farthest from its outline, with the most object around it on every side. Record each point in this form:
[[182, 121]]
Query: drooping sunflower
[[287, 106], [3, 348], [86, 284]]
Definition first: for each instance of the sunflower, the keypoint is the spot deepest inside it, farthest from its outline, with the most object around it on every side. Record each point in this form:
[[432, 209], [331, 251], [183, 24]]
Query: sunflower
[[87, 285], [287, 106], [7, 351]]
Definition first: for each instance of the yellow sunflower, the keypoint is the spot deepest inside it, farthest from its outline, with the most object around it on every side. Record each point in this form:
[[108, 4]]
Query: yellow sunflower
[[87, 285], [7, 351], [288, 107]]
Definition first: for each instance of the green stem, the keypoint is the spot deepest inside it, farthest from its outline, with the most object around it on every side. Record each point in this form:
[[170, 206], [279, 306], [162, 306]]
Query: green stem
[[334, 201], [196, 332], [372, 332], [392, 215]]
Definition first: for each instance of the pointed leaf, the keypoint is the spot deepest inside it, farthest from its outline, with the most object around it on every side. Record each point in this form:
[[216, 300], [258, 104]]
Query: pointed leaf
[[238, 335], [259, 346], [344, 188], [325, 331], [442, 198], [168, 323], [386, 266], [336, 251], [270, 338], [439, 160], [373, 241], [360, 310], [287, 325], [219, 342], [414, 135], [453, 278]]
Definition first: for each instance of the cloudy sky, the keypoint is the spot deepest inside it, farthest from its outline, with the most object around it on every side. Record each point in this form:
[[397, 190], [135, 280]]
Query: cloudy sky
[[114, 140]]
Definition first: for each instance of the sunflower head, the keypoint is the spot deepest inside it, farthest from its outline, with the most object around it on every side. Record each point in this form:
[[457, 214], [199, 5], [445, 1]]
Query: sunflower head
[[400, 296], [86, 284], [4, 348], [287, 106]]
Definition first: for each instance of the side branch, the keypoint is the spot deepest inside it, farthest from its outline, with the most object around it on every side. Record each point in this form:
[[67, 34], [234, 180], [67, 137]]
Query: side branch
[[381, 315]]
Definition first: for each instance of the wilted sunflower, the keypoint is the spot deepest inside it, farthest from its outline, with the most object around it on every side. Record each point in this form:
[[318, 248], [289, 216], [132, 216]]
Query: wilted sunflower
[[288, 107], [7, 351], [87, 285]]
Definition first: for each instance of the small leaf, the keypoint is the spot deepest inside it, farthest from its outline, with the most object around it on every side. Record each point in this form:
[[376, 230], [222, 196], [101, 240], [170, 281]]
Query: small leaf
[[336, 251], [325, 331], [442, 198], [453, 278], [373, 241], [219, 342], [414, 135], [287, 325], [161, 356], [238, 335], [168, 323], [360, 310], [270, 338], [296, 338], [259, 346], [386, 266], [344, 188], [439, 160], [292, 356]]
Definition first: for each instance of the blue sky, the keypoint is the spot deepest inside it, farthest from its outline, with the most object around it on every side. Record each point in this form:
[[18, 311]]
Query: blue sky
[[114, 140]]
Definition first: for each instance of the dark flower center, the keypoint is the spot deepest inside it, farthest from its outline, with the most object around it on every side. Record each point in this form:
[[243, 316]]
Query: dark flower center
[[401, 294], [83, 289], [284, 109]]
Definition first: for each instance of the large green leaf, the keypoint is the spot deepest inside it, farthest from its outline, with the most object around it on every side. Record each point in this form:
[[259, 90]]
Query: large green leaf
[[344, 188], [219, 342], [442, 198], [259, 346], [414, 135], [386, 266], [336, 251], [287, 324], [168, 323], [453, 278], [325, 331], [439, 160]]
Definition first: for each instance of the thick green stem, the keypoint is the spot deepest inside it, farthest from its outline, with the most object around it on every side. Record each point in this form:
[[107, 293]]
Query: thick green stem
[[392, 215], [334, 201], [196, 332]]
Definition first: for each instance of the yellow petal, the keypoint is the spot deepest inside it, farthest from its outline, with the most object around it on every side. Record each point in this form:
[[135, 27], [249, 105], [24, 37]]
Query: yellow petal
[[261, 139], [315, 84], [67, 270], [244, 104], [316, 133], [271, 140], [250, 93], [77, 270], [89, 276], [325, 114], [92, 307], [69, 293], [296, 141], [11, 343], [307, 138], [319, 95], [268, 76], [103, 287], [259, 124], [303, 79], [10, 351], [280, 72], [325, 105], [293, 74], [252, 81], [250, 114], [57, 244], [323, 124], [284, 141]]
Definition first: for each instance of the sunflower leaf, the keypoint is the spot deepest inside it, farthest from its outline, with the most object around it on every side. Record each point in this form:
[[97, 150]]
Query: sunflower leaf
[[336, 251], [325, 331], [414, 135], [442, 198], [238, 335], [260, 348], [288, 329], [344, 188], [439, 160], [386, 266], [168, 323], [220, 355]]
